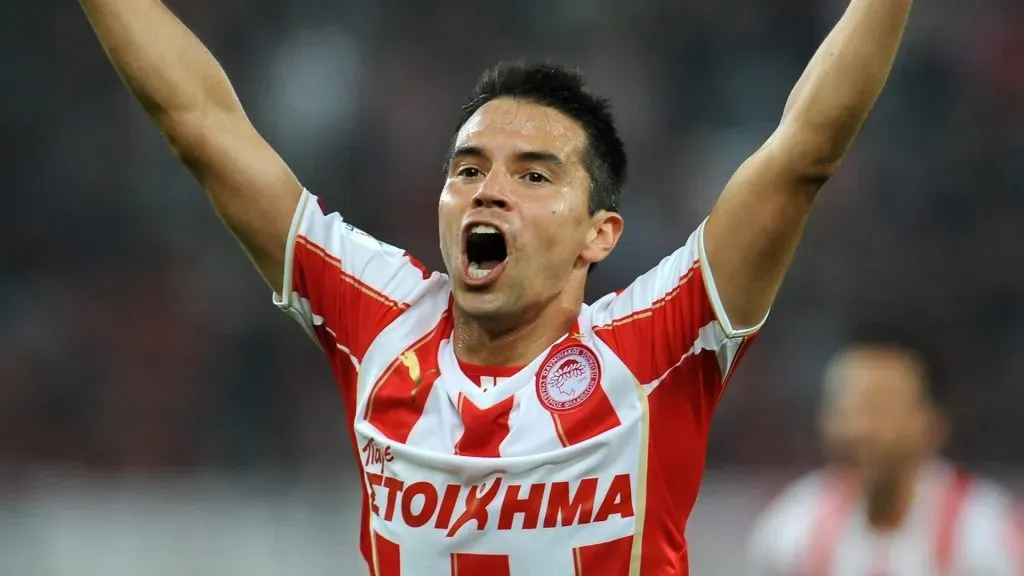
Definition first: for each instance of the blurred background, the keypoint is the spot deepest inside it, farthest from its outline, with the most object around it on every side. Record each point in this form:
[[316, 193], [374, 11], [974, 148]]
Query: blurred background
[[159, 416]]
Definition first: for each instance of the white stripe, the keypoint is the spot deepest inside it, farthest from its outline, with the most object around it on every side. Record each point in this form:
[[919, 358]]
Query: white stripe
[[552, 564], [355, 361], [289, 251], [711, 336]]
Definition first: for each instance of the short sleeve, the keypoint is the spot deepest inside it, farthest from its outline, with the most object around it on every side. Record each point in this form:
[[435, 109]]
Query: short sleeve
[[669, 330], [342, 285], [671, 315]]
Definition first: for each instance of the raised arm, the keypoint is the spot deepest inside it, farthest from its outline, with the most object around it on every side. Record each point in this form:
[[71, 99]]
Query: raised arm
[[183, 88], [753, 231]]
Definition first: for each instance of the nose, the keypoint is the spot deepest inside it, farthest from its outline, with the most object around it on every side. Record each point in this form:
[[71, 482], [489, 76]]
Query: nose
[[493, 192]]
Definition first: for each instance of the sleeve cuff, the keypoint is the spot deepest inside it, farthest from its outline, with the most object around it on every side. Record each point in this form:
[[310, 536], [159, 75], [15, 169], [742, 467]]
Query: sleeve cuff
[[730, 330], [287, 299]]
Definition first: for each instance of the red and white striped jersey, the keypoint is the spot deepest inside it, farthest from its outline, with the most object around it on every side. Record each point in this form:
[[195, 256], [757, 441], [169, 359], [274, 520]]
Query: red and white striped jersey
[[957, 526], [586, 461]]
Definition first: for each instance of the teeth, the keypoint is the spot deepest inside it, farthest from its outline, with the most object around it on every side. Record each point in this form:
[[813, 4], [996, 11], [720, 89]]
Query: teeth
[[476, 272], [484, 229]]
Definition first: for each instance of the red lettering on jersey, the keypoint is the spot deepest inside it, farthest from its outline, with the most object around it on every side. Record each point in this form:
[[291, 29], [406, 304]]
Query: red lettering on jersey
[[618, 500], [375, 455], [393, 486], [374, 480], [561, 507], [476, 507], [448, 501], [420, 502], [426, 512], [529, 507]]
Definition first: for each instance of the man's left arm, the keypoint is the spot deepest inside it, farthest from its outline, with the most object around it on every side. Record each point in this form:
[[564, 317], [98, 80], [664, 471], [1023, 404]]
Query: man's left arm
[[752, 233]]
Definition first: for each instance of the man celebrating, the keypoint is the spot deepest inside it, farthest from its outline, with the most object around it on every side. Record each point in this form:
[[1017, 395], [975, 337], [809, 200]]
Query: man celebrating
[[889, 505], [506, 427]]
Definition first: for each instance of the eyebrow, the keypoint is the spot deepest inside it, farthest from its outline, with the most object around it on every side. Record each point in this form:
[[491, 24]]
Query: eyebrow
[[540, 156]]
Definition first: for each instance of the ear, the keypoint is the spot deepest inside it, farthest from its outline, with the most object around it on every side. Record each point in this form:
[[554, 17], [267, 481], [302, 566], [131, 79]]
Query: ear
[[604, 233]]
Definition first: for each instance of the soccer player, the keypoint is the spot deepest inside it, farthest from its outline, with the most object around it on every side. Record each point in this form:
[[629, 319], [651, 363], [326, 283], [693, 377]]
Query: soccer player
[[888, 505], [505, 427]]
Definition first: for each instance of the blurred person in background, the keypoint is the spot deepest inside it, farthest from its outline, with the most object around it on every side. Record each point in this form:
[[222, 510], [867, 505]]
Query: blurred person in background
[[889, 504], [490, 402]]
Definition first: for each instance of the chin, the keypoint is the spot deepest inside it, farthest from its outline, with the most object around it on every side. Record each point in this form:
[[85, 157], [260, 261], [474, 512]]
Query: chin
[[481, 305]]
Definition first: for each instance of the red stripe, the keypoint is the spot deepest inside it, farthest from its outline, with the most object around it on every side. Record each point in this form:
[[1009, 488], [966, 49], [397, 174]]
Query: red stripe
[[418, 265], [950, 511], [345, 375], [400, 395], [681, 408], [483, 429], [838, 498], [652, 340], [604, 559], [312, 251], [594, 417], [353, 309], [389, 557], [482, 564]]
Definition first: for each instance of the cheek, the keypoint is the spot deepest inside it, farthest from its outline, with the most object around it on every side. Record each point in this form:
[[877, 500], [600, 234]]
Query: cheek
[[566, 227], [448, 211], [444, 202]]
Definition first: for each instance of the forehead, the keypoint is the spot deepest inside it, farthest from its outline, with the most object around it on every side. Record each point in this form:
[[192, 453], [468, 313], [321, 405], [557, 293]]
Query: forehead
[[886, 375], [507, 126]]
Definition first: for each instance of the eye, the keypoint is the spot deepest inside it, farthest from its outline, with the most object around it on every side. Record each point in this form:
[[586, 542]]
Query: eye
[[468, 172], [536, 178]]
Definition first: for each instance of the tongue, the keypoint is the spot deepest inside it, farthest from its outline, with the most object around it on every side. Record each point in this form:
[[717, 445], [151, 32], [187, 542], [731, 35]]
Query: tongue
[[481, 269]]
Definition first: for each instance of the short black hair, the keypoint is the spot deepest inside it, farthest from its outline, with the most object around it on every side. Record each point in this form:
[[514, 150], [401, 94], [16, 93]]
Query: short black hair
[[910, 340], [565, 90]]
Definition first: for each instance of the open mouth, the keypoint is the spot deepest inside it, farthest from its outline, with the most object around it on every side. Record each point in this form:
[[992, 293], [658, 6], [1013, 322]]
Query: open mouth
[[486, 252]]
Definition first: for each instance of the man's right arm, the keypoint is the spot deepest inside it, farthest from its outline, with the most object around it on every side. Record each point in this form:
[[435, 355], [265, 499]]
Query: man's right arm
[[183, 88]]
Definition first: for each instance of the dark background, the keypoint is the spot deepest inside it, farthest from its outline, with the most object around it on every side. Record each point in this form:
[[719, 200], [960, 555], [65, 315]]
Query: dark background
[[136, 338]]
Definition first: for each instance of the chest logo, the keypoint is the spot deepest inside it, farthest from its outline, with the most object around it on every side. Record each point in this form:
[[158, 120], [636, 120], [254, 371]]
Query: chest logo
[[567, 378], [412, 364]]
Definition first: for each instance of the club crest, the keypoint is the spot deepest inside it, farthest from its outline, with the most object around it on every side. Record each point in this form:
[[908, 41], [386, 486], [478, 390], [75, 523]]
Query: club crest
[[568, 377]]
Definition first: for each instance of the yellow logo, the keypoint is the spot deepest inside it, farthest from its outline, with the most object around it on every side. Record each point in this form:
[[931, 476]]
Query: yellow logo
[[412, 364]]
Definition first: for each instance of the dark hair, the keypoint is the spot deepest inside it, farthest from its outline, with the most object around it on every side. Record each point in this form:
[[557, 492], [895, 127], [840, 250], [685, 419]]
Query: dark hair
[[912, 341], [564, 90]]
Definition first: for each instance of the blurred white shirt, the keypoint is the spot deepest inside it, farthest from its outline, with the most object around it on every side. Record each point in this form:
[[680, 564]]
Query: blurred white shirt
[[957, 525]]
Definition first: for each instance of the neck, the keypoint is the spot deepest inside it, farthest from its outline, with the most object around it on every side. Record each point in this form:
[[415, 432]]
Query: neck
[[889, 497], [514, 342]]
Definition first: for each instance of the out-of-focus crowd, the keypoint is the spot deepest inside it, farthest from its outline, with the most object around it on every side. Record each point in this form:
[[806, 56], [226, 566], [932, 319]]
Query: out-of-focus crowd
[[133, 332]]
